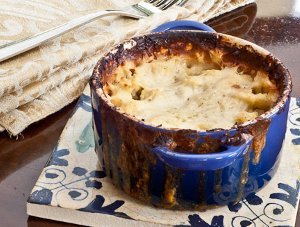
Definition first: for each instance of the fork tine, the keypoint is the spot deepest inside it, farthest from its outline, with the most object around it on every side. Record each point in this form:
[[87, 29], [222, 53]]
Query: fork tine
[[148, 7], [158, 3], [168, 4], [165, 4], [181, 3]]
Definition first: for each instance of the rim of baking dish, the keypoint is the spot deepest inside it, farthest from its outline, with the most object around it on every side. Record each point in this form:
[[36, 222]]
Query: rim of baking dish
[[280, 103]]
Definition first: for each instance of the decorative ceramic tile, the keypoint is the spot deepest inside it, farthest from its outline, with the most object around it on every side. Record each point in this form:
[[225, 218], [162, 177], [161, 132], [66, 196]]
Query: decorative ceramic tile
[[73, 188]]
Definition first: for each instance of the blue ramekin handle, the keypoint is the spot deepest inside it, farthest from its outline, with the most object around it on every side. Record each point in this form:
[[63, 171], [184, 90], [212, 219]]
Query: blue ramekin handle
[[203, 162], [183, 25]]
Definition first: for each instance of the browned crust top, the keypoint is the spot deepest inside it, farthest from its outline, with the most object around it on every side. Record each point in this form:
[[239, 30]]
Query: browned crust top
[[236, 52]]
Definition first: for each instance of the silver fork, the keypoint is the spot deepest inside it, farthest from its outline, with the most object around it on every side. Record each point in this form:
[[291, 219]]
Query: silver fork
[[139, 10]]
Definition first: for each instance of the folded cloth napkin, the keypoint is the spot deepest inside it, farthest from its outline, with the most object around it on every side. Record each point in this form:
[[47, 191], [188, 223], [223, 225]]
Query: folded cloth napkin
[[42, 81]]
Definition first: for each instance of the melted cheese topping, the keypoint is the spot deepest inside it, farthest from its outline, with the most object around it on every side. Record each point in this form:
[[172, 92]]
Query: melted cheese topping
[[182, 93]]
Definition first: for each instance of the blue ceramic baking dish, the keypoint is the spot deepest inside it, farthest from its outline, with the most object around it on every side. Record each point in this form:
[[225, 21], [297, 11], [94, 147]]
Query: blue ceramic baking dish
[[229, 164]]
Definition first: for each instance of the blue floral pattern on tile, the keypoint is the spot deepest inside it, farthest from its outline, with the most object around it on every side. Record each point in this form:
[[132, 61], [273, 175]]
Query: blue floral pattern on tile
[[272, 211], [93, 184], [96, 206], [296, 141], [295, 120], [290, 196], [196, 221], [86, 139], [91, 180], [43, 196], [84, 103], [51, 175], [57, 157], [79, 171]]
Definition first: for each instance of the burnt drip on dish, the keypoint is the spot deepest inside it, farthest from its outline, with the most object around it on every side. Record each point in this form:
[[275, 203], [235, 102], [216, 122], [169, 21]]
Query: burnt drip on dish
[[172, 177], [244, 175], [259, 132], [218, 181]]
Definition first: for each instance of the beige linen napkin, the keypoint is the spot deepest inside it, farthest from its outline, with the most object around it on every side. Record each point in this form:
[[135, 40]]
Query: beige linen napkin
[[47, 78]]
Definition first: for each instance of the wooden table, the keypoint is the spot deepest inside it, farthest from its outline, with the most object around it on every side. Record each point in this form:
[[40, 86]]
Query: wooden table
[[276, 27]]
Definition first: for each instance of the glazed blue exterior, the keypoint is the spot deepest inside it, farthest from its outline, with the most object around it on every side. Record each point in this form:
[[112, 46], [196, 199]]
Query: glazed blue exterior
[[208, 186], [200, 180]]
